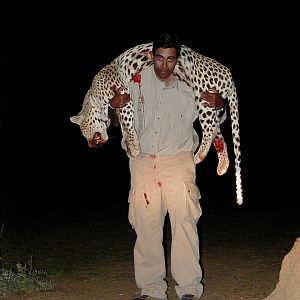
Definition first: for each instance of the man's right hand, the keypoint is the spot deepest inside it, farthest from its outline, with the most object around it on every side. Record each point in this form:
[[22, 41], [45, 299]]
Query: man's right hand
[[119, 100]]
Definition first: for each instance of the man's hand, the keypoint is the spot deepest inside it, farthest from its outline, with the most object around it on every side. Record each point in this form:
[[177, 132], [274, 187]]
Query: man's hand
[[119, 100], [212, 98]]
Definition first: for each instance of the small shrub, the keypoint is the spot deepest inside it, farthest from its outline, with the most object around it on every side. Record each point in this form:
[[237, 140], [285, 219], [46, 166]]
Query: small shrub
[[23, 281]]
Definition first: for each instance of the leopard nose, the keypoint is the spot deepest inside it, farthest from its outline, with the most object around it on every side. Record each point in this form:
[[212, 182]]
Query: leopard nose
[[97, 141]]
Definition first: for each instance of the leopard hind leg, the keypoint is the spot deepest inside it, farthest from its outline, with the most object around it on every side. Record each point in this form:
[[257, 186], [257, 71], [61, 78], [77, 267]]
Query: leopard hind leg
[[208, 123], [221, 149]]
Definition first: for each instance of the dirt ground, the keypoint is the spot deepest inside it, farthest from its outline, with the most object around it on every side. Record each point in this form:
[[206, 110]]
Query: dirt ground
[[89, 257]]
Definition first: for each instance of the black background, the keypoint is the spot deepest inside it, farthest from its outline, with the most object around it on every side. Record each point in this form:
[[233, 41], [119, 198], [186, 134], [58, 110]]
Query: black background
[[49, 58]]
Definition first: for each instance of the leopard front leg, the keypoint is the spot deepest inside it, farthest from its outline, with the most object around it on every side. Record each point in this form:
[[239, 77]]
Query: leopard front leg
[[130, 141]]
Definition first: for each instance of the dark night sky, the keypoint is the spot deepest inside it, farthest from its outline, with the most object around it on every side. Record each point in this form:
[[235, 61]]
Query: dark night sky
[[48, 63]]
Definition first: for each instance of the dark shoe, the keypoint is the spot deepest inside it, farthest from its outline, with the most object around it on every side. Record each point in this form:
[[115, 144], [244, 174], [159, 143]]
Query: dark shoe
[[143, 297], [189, 297], [146, 297]]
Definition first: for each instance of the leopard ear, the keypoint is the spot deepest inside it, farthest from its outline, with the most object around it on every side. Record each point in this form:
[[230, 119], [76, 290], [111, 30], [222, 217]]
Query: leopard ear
[[76, 119]]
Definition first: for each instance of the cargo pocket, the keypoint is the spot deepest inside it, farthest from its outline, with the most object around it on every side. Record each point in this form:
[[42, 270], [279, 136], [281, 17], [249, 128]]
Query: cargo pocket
[[192, 209]]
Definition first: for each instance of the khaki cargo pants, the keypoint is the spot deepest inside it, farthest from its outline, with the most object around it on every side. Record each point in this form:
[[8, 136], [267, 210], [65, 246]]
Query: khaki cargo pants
[[161, 184]]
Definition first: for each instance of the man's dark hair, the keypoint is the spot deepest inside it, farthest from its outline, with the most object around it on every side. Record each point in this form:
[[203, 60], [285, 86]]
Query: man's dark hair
[[167, 40]]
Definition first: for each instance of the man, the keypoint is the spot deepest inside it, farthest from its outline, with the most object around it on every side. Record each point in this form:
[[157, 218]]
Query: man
[[163, 175]]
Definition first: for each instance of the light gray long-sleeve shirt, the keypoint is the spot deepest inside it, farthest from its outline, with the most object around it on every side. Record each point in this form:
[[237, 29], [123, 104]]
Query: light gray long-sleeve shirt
[[164, 116]]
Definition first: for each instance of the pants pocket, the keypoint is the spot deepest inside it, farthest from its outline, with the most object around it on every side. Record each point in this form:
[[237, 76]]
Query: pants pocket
[[192, 208]]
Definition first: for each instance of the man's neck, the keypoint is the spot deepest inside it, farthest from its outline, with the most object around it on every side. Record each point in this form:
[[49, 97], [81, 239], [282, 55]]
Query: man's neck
[[170, 81]]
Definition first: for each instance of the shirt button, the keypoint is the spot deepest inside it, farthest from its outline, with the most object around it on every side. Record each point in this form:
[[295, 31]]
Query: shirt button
[[158, 117]]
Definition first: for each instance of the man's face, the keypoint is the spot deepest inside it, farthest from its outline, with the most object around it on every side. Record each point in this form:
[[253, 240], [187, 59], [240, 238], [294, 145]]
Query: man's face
[[164, 60]]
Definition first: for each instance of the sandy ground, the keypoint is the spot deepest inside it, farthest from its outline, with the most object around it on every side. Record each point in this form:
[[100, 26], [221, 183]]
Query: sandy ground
[[90, 258]]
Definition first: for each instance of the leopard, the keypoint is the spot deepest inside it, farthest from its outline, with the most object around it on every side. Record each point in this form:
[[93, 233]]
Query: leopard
[[200, 72]]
